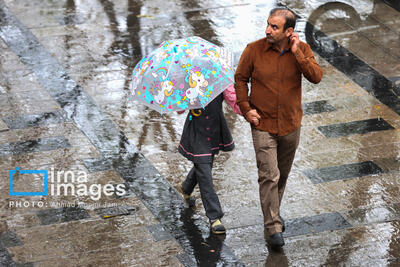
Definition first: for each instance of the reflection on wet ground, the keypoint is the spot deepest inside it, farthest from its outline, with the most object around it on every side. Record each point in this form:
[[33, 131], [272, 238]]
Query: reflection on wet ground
[[64, 94]]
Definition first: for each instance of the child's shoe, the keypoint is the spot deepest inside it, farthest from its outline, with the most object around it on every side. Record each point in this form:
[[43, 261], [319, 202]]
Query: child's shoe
[[189, 199], [217, 227]]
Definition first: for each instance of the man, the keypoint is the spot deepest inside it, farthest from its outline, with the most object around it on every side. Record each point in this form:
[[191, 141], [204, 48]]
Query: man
[[275, 65]]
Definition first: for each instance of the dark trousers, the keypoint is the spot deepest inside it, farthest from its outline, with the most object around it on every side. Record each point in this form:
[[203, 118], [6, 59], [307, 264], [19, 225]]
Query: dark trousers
[[201, 173]]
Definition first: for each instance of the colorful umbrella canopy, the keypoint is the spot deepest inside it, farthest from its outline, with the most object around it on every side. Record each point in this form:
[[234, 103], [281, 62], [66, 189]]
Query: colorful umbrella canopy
[[182, 74]]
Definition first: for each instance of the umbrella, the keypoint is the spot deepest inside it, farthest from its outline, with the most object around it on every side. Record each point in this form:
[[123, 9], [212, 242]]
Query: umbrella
[[182, 74]]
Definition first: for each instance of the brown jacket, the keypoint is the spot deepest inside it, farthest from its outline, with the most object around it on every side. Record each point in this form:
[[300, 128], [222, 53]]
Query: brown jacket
[[275, 84]]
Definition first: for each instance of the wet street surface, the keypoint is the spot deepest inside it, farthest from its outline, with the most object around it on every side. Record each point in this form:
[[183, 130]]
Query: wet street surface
[[65, 105]]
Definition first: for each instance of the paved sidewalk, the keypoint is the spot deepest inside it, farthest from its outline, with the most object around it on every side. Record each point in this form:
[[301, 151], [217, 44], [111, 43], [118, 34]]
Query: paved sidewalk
[[65, 71]]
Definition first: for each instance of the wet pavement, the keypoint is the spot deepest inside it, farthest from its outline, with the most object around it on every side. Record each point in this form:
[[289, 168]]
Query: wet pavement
[[65, 71]]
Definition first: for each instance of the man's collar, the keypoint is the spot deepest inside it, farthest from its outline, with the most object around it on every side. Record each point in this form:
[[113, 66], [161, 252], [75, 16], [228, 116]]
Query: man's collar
[[268, 46]]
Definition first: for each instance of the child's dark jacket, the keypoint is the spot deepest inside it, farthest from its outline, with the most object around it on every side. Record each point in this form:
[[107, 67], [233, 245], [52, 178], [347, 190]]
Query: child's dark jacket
[[203, 136]]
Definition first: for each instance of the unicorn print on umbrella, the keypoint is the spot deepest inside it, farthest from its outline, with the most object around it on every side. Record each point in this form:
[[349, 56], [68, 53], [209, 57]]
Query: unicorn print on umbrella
[[166, 90], [196, 82], [166, 87]]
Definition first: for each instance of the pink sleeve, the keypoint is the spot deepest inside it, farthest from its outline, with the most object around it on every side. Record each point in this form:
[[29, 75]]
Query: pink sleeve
[[230, 98]]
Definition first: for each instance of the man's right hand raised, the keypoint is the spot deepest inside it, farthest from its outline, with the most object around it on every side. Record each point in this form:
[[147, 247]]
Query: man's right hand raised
[[253, 117]]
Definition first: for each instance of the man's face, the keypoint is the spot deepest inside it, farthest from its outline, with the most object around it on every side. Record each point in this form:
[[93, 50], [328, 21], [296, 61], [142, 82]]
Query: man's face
[[274, 31]]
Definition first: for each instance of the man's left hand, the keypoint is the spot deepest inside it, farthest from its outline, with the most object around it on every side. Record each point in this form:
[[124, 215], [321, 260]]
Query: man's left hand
[[294, 42]]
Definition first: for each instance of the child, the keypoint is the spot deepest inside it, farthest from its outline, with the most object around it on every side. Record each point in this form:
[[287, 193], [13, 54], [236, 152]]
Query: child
[[204, 134]]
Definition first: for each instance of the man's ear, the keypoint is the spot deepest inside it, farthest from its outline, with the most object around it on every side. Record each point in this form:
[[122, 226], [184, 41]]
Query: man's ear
[[289, 31]]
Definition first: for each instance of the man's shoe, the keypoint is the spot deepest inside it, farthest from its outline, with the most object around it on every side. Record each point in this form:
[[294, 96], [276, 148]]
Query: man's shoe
[[189, 199], [276, 241], [217, 227]]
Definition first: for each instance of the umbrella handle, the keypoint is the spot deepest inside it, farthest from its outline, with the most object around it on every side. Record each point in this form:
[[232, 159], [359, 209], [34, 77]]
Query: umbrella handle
[[194, 113]]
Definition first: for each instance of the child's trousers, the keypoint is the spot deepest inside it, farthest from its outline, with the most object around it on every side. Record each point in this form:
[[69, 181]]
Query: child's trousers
[[201, 173]]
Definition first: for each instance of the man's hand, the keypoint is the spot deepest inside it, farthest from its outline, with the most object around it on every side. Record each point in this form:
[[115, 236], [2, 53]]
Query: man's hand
[[253, 117], [294, 42]]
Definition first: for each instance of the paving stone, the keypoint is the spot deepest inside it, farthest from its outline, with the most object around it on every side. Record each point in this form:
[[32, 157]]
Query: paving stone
[[97, 165], [75, 137], [10, 239], [355, 127], [159, 233], [51, 216], [315, 224], [5, 257], [341, 172], [42, 144], [34, 120], [317, 107]]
